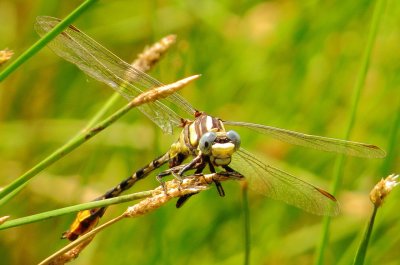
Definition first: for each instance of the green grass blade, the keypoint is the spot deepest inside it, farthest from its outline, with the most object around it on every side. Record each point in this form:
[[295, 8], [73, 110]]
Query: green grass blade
[[62, 151], [390, 160], [46, 39], [75, 208], [360, 81], [246, 224], [143, 98], [362, 250]]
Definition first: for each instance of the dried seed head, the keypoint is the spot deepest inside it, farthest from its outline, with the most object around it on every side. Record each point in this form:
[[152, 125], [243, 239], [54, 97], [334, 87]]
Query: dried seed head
[[151, 55], [5, 55], [3, 219], [382, 189]]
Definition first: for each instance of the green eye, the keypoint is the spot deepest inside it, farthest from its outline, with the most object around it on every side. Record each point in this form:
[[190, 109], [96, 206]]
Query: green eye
[[235, 138], [206, 142]]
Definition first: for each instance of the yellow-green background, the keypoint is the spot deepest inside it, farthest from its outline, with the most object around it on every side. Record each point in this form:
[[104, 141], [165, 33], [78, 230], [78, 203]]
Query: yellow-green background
[[289, 64]]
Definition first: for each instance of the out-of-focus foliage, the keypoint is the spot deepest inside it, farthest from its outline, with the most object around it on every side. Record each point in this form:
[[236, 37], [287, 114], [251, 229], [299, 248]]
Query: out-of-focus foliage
[[290, 64]]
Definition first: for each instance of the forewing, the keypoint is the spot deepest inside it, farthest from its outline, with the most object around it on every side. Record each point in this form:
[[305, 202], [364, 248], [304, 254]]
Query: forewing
[[316, 142], [99, 63], [282, 186]]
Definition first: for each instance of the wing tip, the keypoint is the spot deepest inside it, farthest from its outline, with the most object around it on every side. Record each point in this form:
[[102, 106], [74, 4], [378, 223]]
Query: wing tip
[[377, 152]]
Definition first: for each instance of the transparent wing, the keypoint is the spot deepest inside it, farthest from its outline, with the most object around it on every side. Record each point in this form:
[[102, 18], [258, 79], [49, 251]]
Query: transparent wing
[[316, 142], [282, 186], [99, 63]]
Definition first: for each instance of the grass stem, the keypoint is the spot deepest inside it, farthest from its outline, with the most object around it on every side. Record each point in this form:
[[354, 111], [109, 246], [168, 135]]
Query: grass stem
[[246, 224], [360, 81], [143, 98], [37, 46]]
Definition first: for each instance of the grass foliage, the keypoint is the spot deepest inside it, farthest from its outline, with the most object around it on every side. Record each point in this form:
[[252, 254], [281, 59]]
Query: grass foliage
[[287, 64]]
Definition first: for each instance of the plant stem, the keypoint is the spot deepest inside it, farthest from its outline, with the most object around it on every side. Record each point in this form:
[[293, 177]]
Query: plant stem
[[46, 39], [143, 98], [75, 208], [246, 223], [362, 250], [360, 81]]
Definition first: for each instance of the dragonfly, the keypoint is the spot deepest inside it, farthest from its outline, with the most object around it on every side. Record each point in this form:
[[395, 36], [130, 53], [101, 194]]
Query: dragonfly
[[203, 142]]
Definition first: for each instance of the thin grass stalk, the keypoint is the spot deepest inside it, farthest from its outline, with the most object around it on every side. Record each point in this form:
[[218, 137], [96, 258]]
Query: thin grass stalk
[[143, 98], [102, 111], [37, 46], [390, 159], [75, 208], [246, 223], [362, 250], [360, 81]]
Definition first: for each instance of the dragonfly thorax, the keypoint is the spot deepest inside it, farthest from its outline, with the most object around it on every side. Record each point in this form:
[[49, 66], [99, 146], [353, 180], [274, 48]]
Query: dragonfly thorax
[[201, 125], [205, 136]]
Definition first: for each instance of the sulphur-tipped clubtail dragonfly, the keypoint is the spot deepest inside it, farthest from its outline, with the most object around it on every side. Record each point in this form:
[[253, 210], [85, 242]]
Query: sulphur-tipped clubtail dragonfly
[[203, 140]]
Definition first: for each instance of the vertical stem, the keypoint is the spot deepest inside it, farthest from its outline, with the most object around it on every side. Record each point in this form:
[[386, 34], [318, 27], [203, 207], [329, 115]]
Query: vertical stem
[[362, 250], [378, 11], [246, 223]]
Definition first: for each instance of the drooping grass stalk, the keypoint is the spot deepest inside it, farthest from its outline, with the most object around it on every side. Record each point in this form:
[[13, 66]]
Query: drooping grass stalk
[[360, 81], [143, 98], [246, 224], [75, 208], [46, 39]]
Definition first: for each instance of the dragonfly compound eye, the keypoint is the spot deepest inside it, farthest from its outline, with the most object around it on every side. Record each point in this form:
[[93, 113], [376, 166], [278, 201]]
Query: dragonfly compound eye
[[206, 142], [235, 138]]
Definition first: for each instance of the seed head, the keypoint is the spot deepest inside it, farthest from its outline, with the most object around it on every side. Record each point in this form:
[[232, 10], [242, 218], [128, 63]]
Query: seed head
[[382, 189]]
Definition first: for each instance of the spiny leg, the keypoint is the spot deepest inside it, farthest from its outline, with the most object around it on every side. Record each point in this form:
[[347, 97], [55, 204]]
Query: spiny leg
[[218, 184], [178, 171], [87, 219]]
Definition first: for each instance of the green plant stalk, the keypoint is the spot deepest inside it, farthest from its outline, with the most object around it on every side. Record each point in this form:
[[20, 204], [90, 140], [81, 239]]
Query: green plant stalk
[[360, 81], [62, 151], [246, 223], [390, 160], [75, 208], [143, 98], [109, 103], [46, 39], [362, 250]]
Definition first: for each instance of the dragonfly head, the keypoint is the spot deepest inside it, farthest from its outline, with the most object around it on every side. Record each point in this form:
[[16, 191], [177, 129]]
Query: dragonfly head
[[219, 146]]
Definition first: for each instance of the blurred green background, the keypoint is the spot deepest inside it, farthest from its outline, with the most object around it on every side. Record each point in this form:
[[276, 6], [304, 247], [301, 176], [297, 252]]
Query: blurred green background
[[289, 64]]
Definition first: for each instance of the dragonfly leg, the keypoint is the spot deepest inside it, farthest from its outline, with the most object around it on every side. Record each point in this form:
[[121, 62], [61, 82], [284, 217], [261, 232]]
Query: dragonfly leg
[[218, 184], [162, 175], [181, 200]]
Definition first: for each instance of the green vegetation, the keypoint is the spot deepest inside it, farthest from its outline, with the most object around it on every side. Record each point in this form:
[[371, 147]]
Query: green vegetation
[[289, 65]]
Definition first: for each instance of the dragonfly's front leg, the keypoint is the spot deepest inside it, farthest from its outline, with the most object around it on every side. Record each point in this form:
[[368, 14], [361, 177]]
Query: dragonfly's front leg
[[178, 171]]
